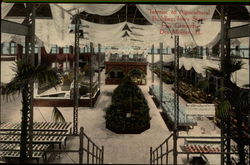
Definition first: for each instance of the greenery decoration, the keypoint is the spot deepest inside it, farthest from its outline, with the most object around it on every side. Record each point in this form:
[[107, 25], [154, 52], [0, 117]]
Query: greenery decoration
[[129, 111]]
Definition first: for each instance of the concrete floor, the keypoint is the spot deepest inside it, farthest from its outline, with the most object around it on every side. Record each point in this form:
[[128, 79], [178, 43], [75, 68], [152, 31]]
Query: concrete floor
[[119, 148]]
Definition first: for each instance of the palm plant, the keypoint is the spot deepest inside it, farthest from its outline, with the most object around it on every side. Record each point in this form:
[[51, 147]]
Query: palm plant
[[230, 98], [24, 74], [57, 115]]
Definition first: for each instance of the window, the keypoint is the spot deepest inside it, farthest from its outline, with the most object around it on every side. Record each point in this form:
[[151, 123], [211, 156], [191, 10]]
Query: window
[[36, 49], [81, 50], [54, 49], [66, 50], [12, 48], [112, 74], [120, 75], [5, 48]]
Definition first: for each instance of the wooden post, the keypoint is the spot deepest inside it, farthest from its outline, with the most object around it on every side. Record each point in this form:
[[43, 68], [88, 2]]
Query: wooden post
[[157, 155], [222, 43], [81, 146], [88, 152], [93, 153], [91, 71], [161, 62], [161, 154], [99, 156], [99, 69], [152, 71], [96, 153], [167, 152], [102, 154], [151, 161]]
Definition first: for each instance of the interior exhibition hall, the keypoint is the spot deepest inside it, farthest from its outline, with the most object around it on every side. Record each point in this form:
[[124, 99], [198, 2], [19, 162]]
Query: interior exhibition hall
[[92, 83]]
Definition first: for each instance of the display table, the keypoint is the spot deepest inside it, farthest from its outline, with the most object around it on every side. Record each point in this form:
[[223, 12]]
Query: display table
[[45, 134], [168, 107]]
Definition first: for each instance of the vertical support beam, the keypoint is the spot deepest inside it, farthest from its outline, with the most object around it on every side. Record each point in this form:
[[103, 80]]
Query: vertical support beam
[[31, 85], [151, 155], [81, 146], [1, 81], [222, 34], [93, 153], [176, 99], [161, 154], [96, 153], [91, 73], [27, 93], [167, 152], [222, 43], [102, 154], [88, 151], [249, 80], [153, 65], [76, 71], [161, 64], [126, 12], [99, 69]]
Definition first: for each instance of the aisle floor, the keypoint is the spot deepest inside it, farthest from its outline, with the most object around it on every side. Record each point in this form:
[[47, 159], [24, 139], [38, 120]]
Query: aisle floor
[[119, 148]]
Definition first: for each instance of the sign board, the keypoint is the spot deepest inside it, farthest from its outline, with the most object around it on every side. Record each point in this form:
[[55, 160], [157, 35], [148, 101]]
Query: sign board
[[201, 110]]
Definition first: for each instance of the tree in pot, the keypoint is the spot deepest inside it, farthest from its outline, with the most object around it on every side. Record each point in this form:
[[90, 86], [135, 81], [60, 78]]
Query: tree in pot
[[24, 74], [129, 112]]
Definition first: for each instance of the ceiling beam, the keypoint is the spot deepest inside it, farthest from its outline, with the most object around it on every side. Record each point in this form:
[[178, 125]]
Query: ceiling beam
[[13, 28], [239, 32]]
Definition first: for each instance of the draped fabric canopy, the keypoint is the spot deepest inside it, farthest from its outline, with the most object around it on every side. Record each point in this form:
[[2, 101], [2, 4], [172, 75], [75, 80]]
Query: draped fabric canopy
[[183, 20], [5, 8], [99, 9], [191, 22]]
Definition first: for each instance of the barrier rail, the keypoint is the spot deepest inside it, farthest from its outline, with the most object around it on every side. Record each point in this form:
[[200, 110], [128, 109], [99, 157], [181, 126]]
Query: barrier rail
[[155, 156], [92, 153]]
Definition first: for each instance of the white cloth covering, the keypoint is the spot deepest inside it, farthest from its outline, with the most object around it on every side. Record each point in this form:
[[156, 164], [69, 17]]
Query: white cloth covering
[[5, 8], [99, 9], [183, 20]]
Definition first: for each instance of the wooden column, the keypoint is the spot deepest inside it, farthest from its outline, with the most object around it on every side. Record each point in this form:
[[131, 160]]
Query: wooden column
[[152, 70], [99, 69], [161, 65]]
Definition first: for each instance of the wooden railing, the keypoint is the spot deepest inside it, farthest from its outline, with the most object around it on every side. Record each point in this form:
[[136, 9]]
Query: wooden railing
[[95, 155], [157, 155]]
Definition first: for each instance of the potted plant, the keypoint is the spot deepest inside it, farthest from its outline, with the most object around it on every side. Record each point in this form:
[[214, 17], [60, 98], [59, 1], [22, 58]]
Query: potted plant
[[132, 118], [24, 74]]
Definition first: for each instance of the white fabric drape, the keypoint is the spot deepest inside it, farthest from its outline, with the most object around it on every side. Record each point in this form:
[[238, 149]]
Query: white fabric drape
[[199, 65], [5, 8], [55, 31], [99, 9], [142, 36], [183, 20]]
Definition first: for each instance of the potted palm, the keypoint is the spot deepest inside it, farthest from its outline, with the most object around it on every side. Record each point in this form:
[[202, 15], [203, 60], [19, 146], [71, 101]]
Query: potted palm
[[232, 99], [66, 81], [24, 74]]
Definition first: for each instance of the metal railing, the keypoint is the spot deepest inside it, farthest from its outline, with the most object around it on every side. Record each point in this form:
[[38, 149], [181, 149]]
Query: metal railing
[[157, 155], [92, 150]]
